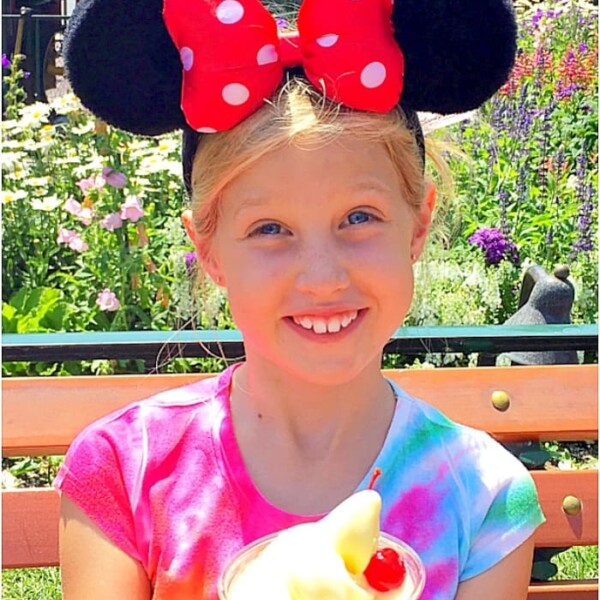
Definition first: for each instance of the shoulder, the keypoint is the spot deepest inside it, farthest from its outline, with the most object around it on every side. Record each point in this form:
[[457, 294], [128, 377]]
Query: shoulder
[[204, 398], [148, 430], [470, 455]]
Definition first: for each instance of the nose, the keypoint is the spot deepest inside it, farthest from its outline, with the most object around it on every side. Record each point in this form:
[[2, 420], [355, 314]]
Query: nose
[[322, 270]]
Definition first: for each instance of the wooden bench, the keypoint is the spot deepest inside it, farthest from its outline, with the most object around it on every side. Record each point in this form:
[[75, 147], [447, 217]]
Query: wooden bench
[[41, 416]]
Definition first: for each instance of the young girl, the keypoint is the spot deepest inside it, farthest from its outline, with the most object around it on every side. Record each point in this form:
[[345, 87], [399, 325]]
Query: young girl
[[309, 206]]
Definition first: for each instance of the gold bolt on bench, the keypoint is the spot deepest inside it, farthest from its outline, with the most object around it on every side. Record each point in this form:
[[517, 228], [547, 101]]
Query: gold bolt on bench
[[501, 400], [572, 505]]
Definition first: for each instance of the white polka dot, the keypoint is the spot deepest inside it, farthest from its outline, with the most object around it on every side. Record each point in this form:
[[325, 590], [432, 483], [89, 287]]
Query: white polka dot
[[235, 94], [230, 11], [325, 41], [267, 54], [187, 58], [373, 75], [206, 130]]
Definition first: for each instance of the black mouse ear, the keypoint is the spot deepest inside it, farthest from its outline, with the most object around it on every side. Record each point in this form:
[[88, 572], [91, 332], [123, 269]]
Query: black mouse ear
[[457, 52], [122, 63]]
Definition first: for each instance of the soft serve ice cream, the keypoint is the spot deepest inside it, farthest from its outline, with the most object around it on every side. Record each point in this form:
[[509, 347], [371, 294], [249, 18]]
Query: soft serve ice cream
[[340, 557]]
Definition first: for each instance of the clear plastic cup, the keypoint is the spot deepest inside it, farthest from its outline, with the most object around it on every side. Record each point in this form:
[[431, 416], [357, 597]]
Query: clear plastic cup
[[415, 571]]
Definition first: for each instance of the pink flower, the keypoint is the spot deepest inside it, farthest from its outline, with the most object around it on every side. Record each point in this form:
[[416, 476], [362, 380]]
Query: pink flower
[[92, 182], [83, 213], [131, 209], [107, 300], [78, 244], [86, 215], [72, 206], [111, 222], [71, 239], [65, 235], [115, 178]]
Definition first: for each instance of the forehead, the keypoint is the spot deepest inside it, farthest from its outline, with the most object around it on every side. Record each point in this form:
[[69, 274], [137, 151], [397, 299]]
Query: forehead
[[346, 163]]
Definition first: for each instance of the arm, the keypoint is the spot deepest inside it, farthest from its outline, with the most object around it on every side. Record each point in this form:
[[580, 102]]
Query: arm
[[92, 567], [508, 579]]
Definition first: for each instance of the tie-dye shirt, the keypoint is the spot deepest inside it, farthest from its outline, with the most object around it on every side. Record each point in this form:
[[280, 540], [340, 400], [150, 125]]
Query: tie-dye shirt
[[165, 481]]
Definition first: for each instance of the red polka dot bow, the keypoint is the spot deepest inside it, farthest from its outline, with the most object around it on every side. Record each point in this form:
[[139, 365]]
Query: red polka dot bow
[[233, 57]]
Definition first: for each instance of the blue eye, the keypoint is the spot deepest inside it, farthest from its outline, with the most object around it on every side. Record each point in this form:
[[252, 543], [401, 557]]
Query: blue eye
[[268, 229], [358, 217]]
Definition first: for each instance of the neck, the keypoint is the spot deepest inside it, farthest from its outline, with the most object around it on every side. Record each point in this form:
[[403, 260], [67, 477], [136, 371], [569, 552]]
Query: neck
[[307, 446], [314, 418]]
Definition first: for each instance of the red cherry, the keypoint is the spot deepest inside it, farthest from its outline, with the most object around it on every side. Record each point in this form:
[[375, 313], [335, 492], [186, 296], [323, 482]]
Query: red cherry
[[386, 570]]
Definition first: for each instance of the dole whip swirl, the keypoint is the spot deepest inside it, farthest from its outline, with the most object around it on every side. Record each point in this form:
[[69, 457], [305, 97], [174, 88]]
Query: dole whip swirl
[[325, 560]]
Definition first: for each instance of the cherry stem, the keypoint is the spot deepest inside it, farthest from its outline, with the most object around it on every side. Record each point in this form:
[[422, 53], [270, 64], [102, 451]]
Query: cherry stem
[[374, 478]]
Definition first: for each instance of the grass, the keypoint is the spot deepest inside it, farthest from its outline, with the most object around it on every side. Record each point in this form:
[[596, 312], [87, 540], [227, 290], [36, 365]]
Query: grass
[[577, 563], [27, 584]]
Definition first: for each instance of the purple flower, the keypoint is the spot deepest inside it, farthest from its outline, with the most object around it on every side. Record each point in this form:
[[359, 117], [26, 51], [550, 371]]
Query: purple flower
[[114, 178], [190, 262], [5, 62], [26, 74], [281, 22], [537, 17], [495, 244]]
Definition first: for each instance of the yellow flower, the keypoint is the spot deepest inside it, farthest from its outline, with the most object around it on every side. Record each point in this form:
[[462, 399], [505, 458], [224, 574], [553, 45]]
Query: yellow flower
[[9, 196], [33, 115], [10, 160], [168, 145], [86, 127], [38, 182], [66, 103], [47, 204]]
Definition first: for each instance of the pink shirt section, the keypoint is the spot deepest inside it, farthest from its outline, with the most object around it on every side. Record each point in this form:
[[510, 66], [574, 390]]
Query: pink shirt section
[[155, 478]]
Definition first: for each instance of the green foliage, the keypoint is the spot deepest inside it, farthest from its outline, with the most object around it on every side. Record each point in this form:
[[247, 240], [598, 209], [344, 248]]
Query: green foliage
[[531, 167], [14, 95], [35, 310]]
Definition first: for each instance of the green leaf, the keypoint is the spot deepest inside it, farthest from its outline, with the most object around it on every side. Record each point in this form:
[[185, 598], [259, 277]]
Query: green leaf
[[543, 570], [534, 458], [9, 319]]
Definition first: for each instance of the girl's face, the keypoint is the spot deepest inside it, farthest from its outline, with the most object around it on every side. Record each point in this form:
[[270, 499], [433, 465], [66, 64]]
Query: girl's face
[[315, 248]]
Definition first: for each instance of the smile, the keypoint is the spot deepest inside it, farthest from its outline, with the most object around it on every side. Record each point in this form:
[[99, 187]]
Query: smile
[[323, 325]]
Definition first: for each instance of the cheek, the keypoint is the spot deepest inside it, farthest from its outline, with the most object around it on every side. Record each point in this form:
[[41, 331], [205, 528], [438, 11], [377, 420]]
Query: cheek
[[253, 281]]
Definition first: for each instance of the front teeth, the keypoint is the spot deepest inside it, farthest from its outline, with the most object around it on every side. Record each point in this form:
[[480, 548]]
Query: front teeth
[[330, 325]]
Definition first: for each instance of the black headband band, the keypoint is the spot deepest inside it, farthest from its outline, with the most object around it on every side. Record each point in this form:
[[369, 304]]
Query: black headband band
[[191, 138]]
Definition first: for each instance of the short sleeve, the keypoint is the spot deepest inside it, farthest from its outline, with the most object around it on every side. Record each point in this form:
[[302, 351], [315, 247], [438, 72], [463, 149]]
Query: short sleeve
[[98, 478], [507, 513]]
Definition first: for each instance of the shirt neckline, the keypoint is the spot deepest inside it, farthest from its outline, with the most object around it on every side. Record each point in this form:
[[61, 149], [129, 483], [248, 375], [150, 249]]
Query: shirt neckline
[[235, 467]]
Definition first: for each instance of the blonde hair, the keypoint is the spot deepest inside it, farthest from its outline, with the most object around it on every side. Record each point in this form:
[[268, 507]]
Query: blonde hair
[[299, 115]]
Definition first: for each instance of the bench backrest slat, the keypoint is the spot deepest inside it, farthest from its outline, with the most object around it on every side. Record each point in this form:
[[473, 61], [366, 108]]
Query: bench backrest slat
[[30, 528], [561, 529], [586, 589], [46, 421]]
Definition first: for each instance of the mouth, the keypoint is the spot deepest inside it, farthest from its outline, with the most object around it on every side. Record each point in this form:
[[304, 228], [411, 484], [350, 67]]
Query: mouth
[[322, 325]]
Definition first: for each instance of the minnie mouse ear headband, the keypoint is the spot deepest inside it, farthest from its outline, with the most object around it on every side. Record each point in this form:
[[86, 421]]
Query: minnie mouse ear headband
[[150, 67]]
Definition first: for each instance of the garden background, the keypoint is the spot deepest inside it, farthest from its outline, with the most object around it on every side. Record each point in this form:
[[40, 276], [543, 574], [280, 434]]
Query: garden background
[[92, 237]]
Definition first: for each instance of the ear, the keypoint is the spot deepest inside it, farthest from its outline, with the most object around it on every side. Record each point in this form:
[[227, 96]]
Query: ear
[[206, 256], [423, 222]]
